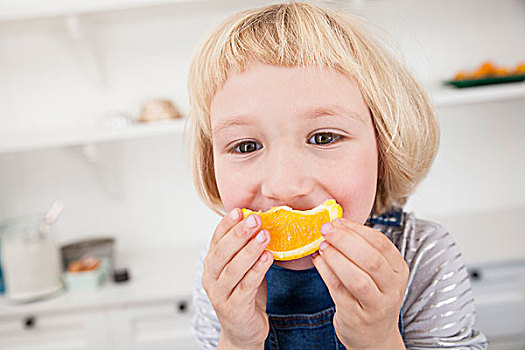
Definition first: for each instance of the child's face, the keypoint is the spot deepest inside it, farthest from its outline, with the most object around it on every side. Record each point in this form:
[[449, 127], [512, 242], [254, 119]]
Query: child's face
[[293, 136]]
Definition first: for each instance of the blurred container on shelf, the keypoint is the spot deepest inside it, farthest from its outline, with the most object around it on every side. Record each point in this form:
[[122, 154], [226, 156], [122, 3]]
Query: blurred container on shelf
[[115, 121], [157, 110], [30, 259], [87, 273], [2, 285], [101, 248]]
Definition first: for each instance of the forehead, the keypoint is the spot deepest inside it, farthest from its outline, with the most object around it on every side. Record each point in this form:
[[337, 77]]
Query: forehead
[[278, 90]]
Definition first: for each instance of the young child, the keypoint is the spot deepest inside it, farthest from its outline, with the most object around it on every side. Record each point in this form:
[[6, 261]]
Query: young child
[[293, 104]]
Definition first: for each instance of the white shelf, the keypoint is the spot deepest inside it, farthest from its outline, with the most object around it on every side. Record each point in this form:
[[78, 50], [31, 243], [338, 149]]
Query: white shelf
[[451, 96], [22, 143], [442, 97], [16, 10]]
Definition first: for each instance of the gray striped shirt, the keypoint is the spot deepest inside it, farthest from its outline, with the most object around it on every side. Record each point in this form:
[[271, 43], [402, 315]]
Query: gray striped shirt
[[438, 309]]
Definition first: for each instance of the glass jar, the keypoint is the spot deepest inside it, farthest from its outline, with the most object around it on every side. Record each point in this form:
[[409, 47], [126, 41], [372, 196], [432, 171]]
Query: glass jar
[[30, 259]]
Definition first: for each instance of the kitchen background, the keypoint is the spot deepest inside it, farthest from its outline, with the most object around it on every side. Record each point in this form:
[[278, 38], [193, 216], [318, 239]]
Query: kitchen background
[[70, 71]]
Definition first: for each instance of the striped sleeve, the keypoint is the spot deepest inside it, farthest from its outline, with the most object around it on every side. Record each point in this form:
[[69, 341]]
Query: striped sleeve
[[205, 324], [439, 309]]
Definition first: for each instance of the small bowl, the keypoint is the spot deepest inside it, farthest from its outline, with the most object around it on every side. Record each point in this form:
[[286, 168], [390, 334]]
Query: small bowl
[[86, 280], [157, 110], [102, 248]]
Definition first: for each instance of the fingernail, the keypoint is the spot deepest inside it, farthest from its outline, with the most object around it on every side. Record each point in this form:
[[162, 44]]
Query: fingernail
[[323, 245], [251, 221], [264, 257], [234, 214], [325, 228], [261, 236]]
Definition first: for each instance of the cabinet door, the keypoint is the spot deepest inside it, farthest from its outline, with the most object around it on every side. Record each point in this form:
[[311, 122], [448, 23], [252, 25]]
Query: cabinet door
[[55, 332], [506, 344], [499, 292], [155, 326]]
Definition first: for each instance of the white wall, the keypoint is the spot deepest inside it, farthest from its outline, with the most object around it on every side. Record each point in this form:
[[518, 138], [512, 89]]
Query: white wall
[[439, 38], [141, 190], [475, 186]]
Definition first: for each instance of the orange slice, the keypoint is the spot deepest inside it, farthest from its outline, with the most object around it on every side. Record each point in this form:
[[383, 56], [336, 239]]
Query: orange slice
[[296, 233]]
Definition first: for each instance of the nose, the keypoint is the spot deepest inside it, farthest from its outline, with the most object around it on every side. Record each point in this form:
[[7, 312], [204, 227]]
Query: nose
[[286, 178]]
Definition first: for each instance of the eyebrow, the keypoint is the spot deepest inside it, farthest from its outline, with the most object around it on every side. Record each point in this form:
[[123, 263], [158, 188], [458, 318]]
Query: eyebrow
[[238, 120], [334, 110], [311, 113]]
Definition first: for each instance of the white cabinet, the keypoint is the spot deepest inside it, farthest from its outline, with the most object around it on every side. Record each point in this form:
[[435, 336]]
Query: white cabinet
[[75, 331], [159, 326], [506, 344], [499, 291], [152, 326], [152, 311]]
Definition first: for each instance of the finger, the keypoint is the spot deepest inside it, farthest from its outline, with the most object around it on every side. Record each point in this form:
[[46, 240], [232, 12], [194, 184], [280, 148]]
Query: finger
[[226, 224], [239, 265], [358, 283], [355, 248], [380, 242], [336, 288], [254, 277], [230, 244]]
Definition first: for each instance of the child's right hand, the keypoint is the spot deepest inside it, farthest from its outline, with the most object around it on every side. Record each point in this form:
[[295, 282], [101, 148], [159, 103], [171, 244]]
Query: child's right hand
[[234, 279]]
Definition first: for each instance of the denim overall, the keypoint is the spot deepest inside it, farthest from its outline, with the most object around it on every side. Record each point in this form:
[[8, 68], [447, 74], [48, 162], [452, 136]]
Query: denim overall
[[300, 308]]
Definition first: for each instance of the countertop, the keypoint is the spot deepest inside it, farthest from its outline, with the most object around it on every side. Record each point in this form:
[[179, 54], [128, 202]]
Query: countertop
[[157, 275], [168, 274]]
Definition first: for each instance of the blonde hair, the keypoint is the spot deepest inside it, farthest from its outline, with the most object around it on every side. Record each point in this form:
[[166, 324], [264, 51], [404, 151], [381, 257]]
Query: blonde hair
[[300, 34]]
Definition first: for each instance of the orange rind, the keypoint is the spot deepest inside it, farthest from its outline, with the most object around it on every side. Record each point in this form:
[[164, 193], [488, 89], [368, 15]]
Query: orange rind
[[296, 233]]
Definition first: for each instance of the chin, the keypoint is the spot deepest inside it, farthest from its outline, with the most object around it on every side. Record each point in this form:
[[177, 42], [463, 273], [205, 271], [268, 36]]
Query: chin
[[297, 264]]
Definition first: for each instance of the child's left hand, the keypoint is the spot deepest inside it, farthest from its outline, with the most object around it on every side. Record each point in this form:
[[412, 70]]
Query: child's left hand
[[366, 277]]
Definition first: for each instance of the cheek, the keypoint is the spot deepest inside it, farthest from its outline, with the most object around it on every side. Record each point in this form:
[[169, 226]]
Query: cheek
[[231, 183], [356, 189]]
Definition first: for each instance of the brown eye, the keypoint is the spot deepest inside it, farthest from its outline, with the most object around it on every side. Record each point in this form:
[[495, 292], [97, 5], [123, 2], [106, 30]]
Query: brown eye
[[324, 138], [247, 147]]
